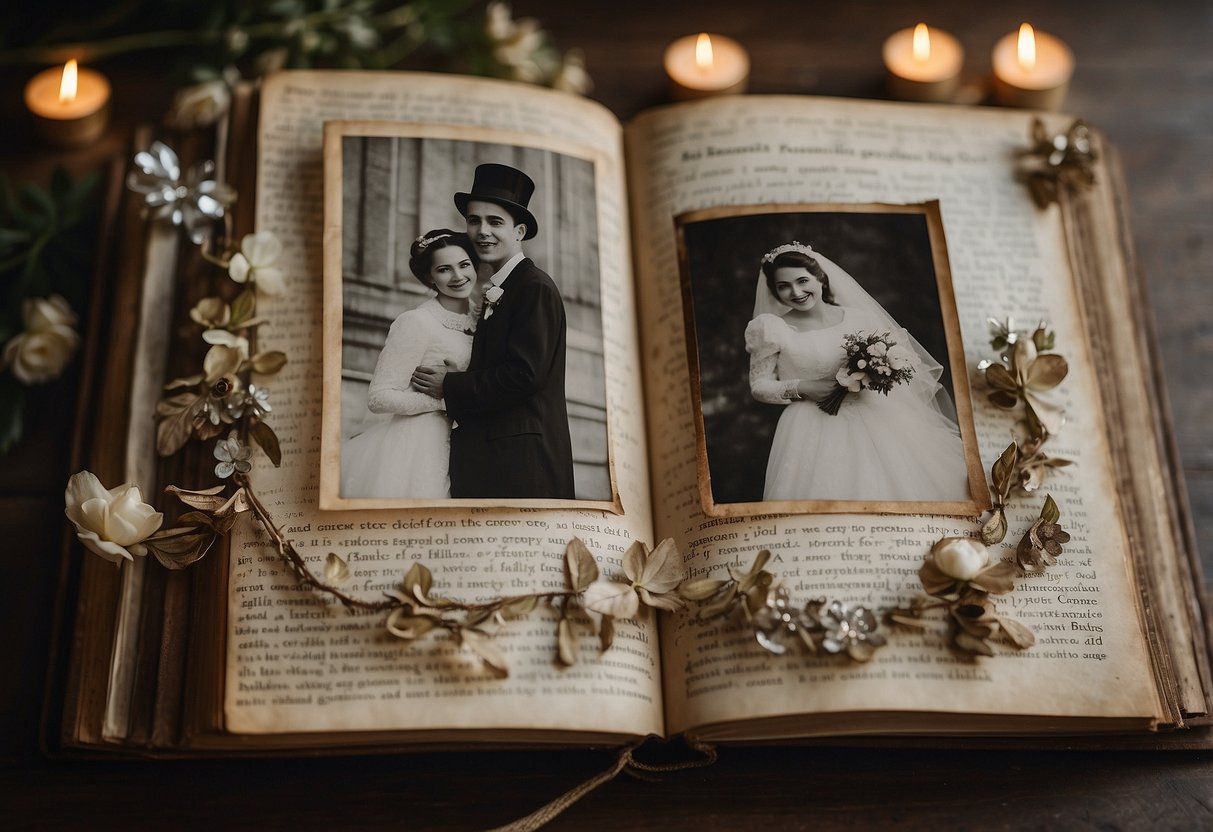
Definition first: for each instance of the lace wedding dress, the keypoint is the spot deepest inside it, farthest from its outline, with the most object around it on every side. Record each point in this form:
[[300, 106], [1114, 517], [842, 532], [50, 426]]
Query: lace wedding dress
[[876, 447], [408, 456]]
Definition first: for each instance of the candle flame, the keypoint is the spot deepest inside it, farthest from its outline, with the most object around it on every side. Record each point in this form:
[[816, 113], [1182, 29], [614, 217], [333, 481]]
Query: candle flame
[[922, 43], [67, 86], [703, 52], [1027, 47]]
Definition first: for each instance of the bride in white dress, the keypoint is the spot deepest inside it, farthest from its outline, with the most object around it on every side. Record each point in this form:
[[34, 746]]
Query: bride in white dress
[[896, 447], [408, 456]]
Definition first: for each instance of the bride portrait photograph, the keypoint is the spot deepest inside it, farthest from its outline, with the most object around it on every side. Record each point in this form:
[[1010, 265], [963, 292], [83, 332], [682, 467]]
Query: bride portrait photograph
[[826, 352]]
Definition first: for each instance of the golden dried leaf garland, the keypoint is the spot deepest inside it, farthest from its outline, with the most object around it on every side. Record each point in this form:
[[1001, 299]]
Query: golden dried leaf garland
[[957, 576]]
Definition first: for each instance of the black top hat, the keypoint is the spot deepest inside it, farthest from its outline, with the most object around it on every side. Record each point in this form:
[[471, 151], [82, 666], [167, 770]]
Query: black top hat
[[505, 186]]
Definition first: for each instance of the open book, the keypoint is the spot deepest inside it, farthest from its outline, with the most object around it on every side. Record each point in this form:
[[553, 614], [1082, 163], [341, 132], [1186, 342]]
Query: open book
[[655, 234]]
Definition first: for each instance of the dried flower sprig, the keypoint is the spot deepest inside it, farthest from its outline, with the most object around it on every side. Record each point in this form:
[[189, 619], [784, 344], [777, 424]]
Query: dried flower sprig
[[587, 601], [959, 575], [763, 605], [1057, 164], [1022, 374]]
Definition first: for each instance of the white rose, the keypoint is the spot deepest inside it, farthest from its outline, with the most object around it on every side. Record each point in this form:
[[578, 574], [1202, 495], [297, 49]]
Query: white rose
[[111, 523], [960, 557], [852, 381], [43, 350], [899, 357], [494, 293], [877, 349]]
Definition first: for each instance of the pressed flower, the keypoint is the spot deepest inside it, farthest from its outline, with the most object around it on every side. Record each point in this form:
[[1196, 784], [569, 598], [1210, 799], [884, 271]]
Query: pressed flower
[[255, 262]]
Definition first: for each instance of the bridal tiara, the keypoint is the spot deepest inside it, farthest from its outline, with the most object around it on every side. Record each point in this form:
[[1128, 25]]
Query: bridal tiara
[[784, 249], [424, 242]]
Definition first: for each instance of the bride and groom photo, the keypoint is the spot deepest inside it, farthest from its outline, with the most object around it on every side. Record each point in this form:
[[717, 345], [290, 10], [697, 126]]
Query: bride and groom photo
[[826, 357], [471, 346]]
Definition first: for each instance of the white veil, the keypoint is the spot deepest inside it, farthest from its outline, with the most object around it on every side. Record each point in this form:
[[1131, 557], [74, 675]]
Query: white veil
[[849, 294]]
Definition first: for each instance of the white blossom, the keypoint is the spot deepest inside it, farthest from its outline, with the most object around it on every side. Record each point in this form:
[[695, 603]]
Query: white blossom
[[43, 350], [112, 523]]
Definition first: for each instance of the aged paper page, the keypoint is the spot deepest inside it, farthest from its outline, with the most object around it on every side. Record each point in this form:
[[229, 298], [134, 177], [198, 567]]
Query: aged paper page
[[297, 664], [1006, 258]]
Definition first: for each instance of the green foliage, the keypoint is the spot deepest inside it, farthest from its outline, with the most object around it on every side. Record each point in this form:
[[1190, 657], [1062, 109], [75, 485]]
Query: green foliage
[[47, 242]]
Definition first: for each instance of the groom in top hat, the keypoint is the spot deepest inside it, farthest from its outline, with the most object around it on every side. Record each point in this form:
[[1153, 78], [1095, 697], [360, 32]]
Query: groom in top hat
[[511, 438]]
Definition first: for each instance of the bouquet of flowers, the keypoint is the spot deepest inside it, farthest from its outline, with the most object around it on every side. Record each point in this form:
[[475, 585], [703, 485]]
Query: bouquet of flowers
[[874, 362]]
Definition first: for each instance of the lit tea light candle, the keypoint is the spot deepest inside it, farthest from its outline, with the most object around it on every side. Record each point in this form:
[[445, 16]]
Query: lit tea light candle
[[703, 65], [1032, 69], [70, 104], [924, 64]]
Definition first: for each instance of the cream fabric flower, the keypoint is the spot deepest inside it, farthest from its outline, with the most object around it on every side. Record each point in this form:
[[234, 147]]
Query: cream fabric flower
[[112, 523], [43, 350], [256, 258]]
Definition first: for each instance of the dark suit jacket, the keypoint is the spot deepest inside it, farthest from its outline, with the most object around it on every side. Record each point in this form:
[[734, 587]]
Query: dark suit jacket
[[512, 426]]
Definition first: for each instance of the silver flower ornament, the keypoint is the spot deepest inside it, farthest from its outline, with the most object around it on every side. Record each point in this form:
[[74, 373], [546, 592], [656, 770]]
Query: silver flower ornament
[[233, 457], [193, 201]]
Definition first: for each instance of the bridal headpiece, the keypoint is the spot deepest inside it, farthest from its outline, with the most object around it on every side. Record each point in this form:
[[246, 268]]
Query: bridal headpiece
[[424, 242], [784, 249]]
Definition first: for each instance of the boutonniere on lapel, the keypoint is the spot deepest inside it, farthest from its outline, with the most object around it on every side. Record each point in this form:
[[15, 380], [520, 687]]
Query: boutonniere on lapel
[[492, 297]]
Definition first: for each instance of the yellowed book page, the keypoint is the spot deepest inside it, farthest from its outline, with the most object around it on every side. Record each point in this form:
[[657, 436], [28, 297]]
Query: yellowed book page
[[1006, 258], [298, 664]]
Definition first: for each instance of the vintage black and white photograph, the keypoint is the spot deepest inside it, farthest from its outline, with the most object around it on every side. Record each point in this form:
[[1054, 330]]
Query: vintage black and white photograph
[[826, 361], [471, 333]]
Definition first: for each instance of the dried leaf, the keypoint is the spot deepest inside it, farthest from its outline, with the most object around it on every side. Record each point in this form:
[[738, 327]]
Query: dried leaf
[[268, 363], [1049, 512], [633, 561], [1050, 416], [971, 644], [482, 645], [207, 499], [662, 569], [404, 625], [613, 598], [176, 422], [1003, 400], [177, 548], [264, 435], [934, 581], [699, 589], [995, 529], [520, 606], [336, 570], [566, 643], [996, 579], [243, 307], [664, 600], [417, 582], [1002, 472], [1047, 371], [760, 561], [606, 633], [580, 567], [998, 377], [1020, 635]]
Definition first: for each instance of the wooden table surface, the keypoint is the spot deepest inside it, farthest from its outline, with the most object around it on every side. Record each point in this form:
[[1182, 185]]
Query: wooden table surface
[[1144, 76]]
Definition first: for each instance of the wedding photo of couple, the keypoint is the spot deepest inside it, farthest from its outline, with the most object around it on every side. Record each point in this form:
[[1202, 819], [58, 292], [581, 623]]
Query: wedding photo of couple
[[472, 342], [824, 388]]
